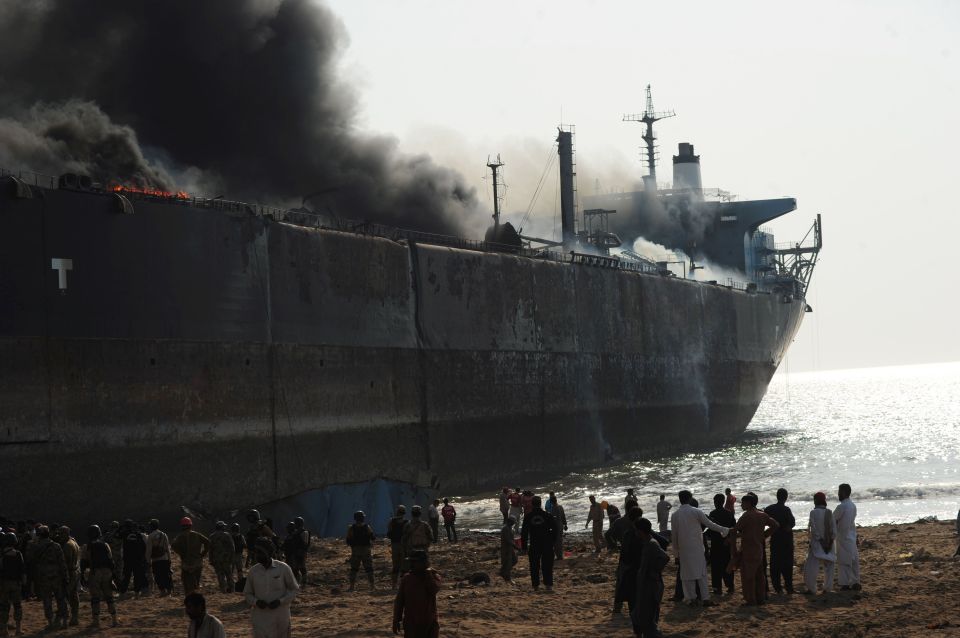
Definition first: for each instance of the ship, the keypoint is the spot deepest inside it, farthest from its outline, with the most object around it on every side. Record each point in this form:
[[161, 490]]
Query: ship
[[163, 353]]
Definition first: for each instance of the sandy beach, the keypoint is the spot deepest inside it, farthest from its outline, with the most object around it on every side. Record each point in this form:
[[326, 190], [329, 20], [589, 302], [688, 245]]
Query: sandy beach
[[911, 587]]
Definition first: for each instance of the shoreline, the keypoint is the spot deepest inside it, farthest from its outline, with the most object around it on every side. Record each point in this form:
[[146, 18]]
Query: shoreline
[[906, 592]]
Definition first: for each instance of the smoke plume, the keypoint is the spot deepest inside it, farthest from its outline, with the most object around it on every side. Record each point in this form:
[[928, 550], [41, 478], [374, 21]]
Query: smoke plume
[[241, 94]]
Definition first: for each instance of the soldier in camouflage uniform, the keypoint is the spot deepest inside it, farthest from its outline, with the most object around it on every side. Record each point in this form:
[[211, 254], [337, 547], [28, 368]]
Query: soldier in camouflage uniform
[[49, 571], [192, 547], [239, 544], [114, 538], [13, 576], [71, 556], [221, 556], [98, 557]]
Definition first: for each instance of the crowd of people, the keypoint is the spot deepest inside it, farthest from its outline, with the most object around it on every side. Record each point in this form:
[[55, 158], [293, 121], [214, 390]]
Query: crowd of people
[[269, 569]]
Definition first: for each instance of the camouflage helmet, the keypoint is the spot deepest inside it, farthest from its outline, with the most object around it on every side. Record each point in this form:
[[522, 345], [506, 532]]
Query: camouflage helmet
[[253, 516], [234, 527], [221, 525], [93, 532], [359, 516], [8, 539], [291, 527], [298, 521]]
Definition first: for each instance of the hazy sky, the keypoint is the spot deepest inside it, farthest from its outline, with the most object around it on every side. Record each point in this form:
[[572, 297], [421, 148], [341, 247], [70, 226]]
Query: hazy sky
[[851, 107]]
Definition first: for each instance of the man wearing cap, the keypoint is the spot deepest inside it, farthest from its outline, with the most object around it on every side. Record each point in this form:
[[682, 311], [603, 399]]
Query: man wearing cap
[[191, 547], [821, 552], [221, 557], [359, 538], [418, 534], [269, 590], [848, 556], [395, 529], [71, 557], [415, 607], [158, 553]]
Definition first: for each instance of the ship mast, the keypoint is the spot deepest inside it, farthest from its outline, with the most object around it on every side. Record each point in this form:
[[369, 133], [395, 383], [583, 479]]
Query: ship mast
[[648, 117]]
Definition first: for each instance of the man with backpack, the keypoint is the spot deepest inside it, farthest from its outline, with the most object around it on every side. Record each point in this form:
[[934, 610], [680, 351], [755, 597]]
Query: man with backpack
[[158, 551], [13, 574], [418, 534], [449, 520], [395, 529], [359, 538], [221, 557], [98, 558]]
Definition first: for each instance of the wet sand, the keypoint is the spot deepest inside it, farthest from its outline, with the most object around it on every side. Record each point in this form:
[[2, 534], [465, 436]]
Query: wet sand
[[911, 588]]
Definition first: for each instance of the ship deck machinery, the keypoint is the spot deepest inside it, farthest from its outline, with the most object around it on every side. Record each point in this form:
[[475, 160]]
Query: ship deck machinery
[[159, 351]]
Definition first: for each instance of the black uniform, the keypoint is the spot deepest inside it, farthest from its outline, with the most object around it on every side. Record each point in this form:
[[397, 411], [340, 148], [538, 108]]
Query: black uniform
[[720, 551], [781, 547], [134, 561], [537, 537], [645, 613]]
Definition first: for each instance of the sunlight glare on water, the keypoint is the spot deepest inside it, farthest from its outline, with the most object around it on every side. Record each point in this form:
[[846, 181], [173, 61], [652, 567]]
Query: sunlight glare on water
[[892, 433]]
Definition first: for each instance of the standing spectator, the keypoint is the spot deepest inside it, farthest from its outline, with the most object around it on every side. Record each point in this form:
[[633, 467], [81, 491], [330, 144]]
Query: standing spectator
[[629, 498], [781, 544], [13, 575], [433, 516], [449, 520], [720, 547], [158, 552], [269, 590], [71, 557], [114, 538], [202, 624], [415, 607], [848, 556], [239, 545], [417, 535], [191, 547], [560, 518], [359, 537], [730, 502], [686, 526], [526, 501], [538, 536], [305, 541], [611, 536], [631, 550], [49, 577], [595, 517], [135, 559], [823, 533], [516, 508], [663, 512], [505, 505], [98, 557], [395, 530], [508, 550], [295, 551], [645, 612], [752, 530], [221, 557]]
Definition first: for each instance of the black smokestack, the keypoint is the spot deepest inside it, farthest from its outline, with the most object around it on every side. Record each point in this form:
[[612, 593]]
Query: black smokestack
[[239, 95]]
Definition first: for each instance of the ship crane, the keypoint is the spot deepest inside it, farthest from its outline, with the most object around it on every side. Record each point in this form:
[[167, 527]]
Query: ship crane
[[648, 117]]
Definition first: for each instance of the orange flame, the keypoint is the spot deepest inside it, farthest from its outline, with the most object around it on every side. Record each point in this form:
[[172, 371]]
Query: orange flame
[[153, 192]]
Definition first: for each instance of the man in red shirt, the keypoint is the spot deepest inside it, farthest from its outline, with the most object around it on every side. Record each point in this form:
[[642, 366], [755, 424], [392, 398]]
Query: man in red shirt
[[415, 607], [730, 502], [449, 515]]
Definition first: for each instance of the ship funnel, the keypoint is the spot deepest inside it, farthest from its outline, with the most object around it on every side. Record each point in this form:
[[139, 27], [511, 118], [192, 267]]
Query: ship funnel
[[686, 171], [568, 187]]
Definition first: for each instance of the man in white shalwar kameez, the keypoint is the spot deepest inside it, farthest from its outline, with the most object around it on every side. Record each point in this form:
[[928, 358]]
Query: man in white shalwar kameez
[[686, 534], [823, 532], [848, 556], [270, 589]]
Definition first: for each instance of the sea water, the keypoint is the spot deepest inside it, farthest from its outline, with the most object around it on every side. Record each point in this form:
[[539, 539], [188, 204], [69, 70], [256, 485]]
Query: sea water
[[892, 433]]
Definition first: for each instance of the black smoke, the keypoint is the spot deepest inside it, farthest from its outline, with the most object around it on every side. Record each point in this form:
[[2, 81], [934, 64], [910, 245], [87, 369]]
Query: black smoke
[[242, 95]]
